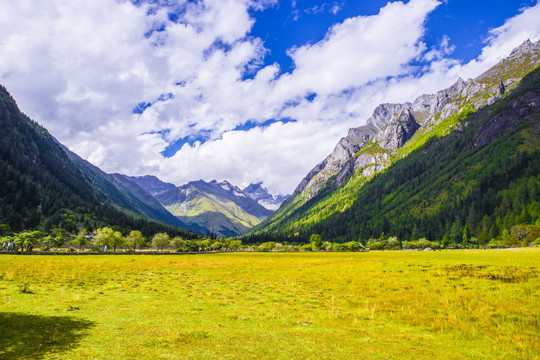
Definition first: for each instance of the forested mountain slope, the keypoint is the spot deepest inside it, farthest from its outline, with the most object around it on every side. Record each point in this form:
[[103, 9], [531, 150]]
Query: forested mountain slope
[[464, 162], [46, 186]]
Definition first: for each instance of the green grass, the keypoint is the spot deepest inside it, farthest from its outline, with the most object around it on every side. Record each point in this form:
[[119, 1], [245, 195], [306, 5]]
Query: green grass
[[377, 305]]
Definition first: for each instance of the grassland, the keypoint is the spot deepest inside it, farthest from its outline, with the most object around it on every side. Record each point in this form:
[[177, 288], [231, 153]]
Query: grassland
[[377, 305]]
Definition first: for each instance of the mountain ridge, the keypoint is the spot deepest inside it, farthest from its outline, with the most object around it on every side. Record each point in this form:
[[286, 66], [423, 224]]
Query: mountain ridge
[[391, 125], [195, 201], [335, 186], [47, 186]]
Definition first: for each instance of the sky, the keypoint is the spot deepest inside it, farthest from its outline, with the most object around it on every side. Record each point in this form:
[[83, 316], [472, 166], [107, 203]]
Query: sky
[[239, 90]]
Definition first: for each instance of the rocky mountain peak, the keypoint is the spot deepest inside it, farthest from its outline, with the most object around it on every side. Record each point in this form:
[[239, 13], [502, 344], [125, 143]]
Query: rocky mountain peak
[[386, 113], [368, 147], [526, 47], [151, 184], [260, 194]]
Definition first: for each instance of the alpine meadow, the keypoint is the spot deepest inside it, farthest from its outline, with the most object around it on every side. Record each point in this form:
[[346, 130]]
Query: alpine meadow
[[270, 179]]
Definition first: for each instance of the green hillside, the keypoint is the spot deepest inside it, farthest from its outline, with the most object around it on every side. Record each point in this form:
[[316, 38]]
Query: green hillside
[[474, 175]]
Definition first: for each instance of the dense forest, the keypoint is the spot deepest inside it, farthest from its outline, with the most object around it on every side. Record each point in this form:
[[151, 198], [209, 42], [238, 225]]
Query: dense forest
[[476, 185], [42, 188]]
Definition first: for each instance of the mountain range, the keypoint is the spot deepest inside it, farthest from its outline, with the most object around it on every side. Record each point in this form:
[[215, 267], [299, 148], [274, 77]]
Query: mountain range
[[443, 161], [218, 208], [463, 163], [45, 185]]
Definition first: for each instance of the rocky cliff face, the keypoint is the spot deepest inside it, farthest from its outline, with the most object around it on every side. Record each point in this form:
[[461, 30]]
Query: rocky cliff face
[[367, 149], [258, 193]]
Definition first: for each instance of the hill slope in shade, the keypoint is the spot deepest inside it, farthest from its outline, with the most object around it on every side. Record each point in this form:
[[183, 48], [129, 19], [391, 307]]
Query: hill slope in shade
[[443, 164], [47, 186]]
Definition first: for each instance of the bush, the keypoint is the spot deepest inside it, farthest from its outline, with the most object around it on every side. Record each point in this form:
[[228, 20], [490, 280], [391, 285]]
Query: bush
[[338, 247], [327, 246], [392, 244], [423, 243], [353, 246], [267, 246], [410, 245], [278, 247], [306, 247], [24, 288], [375, 245]]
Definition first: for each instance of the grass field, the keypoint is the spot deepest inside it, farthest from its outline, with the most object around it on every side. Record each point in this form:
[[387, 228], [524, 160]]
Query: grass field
[[377, 305]]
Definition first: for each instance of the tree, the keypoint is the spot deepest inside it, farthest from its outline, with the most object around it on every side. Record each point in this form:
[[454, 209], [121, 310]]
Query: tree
[[456, 231], [81, 239], [525, 216], [48, 242], [353, 246], [267, 246], [204, 244], [316, 241], [445, 241], [104, 237], [4, 229], [466, 237], [135, 239], [393, 244], [519, 232], [60, 238], [160, 240], [217, 245], [27, 240], [117, 240], [178, 243], [234, 245]]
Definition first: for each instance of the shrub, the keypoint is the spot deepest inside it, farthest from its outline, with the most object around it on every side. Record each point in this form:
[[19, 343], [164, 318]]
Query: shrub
[[393, 244], [423, 243], [306, 247], [24, 288], [410, 245], [375, 245], [267, 246], [278, 247], [353, 246], [338, 247]]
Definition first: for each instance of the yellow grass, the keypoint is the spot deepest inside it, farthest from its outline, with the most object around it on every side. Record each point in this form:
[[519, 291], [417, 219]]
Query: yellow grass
[[377, 305]]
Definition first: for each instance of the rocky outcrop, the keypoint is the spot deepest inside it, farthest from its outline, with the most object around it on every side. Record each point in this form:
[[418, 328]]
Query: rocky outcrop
[[366, 149], [258, 193]]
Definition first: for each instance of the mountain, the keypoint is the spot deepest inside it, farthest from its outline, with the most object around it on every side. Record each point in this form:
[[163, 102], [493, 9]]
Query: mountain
[[151, 184], [258, 193], [419, 168], [47, 186], [219, 208]]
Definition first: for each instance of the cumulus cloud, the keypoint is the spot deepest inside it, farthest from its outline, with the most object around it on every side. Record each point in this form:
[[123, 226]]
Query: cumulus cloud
[[119, 81]]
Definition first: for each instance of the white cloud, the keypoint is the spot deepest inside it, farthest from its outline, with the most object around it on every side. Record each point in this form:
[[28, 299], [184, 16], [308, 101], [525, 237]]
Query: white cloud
[[359, 50], [79, 68]]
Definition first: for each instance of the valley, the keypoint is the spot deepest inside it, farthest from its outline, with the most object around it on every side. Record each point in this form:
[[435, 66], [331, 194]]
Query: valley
[[422, 305]]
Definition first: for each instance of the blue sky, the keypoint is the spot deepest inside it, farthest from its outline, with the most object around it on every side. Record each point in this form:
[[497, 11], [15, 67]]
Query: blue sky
[[294, 23], [241, 90]]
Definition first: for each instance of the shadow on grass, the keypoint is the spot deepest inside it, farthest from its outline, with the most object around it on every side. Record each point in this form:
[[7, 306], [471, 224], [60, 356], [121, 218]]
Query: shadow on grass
[[34, 336]]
